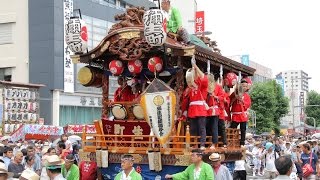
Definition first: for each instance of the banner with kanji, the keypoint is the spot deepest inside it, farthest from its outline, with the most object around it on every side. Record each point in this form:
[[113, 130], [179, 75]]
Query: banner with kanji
[[199, 22]]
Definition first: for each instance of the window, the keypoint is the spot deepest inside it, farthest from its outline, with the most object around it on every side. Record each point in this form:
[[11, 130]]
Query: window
[[5, 74], [122, 4], [6, 33], [97, 30], [78, 115], [296, 72]]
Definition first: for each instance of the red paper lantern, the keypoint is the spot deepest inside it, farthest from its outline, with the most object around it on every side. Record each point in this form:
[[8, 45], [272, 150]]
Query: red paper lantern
[[155, 64], [230, 79], [116, 67], [135, 67]]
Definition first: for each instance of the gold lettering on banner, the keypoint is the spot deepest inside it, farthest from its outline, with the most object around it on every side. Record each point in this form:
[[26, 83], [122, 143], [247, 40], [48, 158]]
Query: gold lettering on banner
[[138, 132], [118, 130]]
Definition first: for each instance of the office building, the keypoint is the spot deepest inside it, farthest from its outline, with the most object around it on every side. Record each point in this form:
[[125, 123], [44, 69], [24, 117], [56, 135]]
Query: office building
[[32, 51], [295, 83], [262, 73]]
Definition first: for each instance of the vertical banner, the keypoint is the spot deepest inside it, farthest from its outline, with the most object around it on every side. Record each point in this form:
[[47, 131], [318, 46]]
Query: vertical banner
[[199, 22], [68, 70]]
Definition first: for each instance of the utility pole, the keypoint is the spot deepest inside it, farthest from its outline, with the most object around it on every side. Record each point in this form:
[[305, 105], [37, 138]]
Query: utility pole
[[292, 104]]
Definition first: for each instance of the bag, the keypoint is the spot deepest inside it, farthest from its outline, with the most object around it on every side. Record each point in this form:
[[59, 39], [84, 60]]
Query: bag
[[307, 169]]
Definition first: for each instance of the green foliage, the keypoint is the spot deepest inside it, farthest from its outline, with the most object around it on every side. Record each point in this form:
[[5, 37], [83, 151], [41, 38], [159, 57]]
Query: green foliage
[[313, 98], [269, 104]]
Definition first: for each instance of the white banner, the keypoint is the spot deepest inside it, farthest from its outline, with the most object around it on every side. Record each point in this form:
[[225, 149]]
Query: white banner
[[68, 70], [159, 109]]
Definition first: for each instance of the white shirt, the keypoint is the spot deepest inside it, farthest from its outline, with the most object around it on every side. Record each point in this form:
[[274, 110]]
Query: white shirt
[[239, 165], [59, 177], [270, 158]]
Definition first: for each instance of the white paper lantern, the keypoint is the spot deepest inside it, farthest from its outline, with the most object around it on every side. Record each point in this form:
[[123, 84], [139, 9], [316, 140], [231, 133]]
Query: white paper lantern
[[76, 35], [155, 25]]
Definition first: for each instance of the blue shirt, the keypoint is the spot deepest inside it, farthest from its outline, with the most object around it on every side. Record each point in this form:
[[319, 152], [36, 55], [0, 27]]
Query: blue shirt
[[305, 158], [6, 161]]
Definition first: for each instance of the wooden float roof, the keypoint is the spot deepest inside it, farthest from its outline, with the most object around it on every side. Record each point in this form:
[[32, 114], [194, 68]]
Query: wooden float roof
[[171, 47]]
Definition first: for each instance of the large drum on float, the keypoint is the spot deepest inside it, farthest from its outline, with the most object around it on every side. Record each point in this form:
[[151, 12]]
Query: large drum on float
[[138, 111], [90, 76], [119, 111]]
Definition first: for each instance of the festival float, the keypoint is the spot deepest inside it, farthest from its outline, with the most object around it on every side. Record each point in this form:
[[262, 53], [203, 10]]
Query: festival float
[[138, 48]]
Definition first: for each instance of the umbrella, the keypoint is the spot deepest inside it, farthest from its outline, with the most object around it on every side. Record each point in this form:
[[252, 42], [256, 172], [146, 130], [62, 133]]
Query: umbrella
[[74, 139], [316, 135], [5, 138]]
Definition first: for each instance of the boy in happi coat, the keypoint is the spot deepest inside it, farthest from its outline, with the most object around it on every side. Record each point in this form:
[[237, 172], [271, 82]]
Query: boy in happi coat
[[194, 105], [198, 170], [215, 101], [128, 172], [239, 107]]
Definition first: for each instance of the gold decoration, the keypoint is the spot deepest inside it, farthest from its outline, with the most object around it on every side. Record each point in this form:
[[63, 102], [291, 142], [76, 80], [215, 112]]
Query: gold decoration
[[169, 50], [137, 158], [75, 59], [167, 151], [189, 52], [182, 160], [93, 56], [105, 46], [138, 131], [158, 100], [84, 75], [118, 130], [129, 35]]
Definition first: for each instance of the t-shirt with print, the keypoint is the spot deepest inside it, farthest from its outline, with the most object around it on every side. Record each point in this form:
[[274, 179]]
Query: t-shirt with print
[[88, 170], [305, 158], [270, 158]]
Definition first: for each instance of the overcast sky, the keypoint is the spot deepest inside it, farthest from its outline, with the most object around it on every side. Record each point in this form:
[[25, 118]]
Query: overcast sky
[[280, 34]]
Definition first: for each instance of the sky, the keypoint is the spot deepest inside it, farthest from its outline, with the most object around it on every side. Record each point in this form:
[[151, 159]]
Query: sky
[[280, 34]]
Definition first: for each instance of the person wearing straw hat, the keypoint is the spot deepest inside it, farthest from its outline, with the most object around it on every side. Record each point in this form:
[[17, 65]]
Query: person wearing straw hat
[[198, 170], [221, 172], [4, 174], [128, 172], [29, 175], [54, 165], [69, 170], [194, 105]]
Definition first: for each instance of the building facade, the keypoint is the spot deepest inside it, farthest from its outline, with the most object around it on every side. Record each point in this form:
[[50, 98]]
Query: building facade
[[295, 83], [262, 73], [32, 51]]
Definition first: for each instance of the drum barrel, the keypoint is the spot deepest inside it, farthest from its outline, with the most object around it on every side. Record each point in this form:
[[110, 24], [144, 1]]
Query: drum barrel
[[90, 76]]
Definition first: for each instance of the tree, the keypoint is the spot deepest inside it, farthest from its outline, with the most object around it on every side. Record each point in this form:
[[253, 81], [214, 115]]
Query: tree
[[269, 104], [313, 98]]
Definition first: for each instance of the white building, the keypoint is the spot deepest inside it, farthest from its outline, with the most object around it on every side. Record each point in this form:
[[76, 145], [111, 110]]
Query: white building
[[188, 11], [295, 83]]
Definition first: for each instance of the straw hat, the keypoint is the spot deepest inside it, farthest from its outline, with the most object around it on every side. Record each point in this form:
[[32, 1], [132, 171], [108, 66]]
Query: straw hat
[[30, 175], [4, 170], [190, 77], [53, 162], [215, 157]]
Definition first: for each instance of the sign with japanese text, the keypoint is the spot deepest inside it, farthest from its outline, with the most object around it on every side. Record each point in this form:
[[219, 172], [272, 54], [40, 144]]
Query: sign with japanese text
[[199, 22], [68, 70], [159, 109], [155, 25], [84, 101], [76, 35]]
